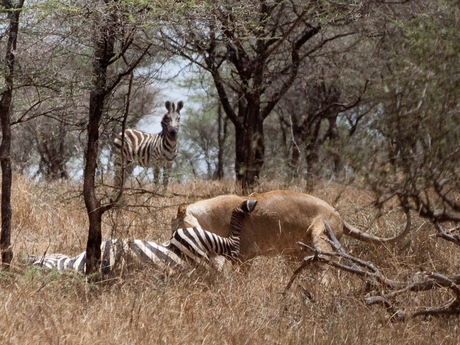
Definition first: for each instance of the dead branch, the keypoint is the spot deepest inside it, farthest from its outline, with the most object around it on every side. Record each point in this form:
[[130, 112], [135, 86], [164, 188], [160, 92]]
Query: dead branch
[[321, 256], [307, 260], [374, 273], [334, 242], [396, 314], [451, 238], [365, 269], [452, 307], [306, 292]]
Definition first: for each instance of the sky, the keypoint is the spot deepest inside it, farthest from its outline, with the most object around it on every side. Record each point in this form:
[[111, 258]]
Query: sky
[[173, 74]]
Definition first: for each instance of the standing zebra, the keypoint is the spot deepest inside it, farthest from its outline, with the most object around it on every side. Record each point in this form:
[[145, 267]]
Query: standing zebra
[[191, 246], [146, 150]]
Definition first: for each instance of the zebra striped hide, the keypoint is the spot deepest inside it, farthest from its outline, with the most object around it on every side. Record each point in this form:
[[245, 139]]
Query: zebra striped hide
[[148, 150], [165, 257], [189, 246]]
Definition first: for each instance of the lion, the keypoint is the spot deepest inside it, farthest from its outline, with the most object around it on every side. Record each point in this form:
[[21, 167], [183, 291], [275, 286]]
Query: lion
[[282, 218]]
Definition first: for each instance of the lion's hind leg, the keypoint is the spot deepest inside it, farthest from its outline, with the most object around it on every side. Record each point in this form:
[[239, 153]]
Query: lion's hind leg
[[318, 235]]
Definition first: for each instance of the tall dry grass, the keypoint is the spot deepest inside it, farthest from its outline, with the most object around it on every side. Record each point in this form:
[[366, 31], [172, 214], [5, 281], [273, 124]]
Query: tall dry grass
[[235, 307]]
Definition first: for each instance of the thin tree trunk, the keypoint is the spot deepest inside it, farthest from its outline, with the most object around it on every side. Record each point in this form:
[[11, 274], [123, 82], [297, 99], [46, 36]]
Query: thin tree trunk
[[221, 136], [334, 137], [294, 162], [250, 148], [5, 147], [93, 205], [311, 152], [103, 53]]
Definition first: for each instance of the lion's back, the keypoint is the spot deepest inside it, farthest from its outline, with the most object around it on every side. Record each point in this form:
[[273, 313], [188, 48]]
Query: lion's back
[[280, 219]]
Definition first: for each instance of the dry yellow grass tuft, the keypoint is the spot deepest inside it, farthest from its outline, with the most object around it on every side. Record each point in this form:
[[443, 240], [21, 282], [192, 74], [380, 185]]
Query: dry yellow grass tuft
[[235, 307]]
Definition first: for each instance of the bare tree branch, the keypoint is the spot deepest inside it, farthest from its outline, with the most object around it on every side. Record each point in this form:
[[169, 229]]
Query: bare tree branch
[[451, 238], [365, 269]]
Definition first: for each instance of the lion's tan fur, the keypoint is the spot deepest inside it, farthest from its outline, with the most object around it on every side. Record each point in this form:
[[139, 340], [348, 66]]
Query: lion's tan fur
[[280, 220]]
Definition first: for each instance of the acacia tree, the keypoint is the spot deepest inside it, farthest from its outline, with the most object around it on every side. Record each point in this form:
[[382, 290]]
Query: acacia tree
[[114, 36], [50, 83], [14, 11], [253, 52]]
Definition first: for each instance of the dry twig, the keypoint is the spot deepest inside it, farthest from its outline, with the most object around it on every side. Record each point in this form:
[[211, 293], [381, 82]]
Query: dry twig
[[451, 238], [365, 269]]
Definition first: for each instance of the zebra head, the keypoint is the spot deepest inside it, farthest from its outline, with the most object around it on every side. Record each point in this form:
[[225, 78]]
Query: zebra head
[[171, 120]]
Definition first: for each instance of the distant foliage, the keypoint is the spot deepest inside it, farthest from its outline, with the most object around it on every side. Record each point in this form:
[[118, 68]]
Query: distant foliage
[[414, 133]]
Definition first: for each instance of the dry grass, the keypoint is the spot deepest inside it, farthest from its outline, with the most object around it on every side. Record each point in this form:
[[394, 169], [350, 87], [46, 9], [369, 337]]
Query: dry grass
[[140, 307]]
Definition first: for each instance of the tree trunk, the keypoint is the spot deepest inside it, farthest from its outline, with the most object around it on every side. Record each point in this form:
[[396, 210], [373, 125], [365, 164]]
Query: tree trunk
[[221, 136], [103, 53], [294, 161], [103, 57], [52, 156], [250, 148], [333, 135], [5, 147], [7, 253], [312, 140], [93, 205]]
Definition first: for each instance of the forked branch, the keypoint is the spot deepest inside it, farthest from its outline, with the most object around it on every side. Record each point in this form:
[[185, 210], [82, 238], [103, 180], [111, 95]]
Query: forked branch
[[452, 307], [356, 266], [366, 270], [451, 238]]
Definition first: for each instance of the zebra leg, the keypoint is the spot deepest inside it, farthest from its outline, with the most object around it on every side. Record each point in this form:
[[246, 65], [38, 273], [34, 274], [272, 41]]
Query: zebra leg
[[166, 172], [156, 175], [128, 170]]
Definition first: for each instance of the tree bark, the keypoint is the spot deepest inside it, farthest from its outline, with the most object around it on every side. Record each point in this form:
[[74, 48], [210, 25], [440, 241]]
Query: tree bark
[[5, 113], [221, 136], [250, 150], [255, 68], [103, 53], [104, 56]]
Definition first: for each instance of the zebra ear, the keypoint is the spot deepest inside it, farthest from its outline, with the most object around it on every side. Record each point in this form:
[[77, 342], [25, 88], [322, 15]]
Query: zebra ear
[[168, 106], [179, 106]]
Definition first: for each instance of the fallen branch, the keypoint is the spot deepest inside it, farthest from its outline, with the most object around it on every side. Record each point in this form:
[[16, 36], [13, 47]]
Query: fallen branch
[[396, 314], [451, 238], [321, 256], [452, 307], [307, 260], [365, 269]]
